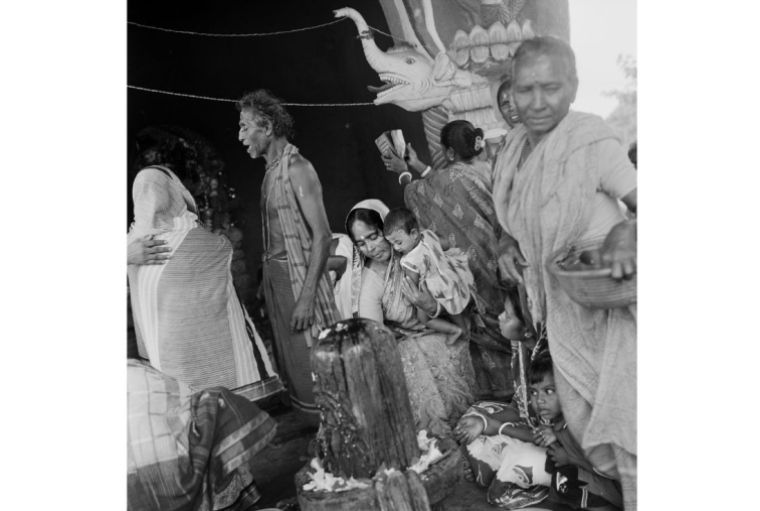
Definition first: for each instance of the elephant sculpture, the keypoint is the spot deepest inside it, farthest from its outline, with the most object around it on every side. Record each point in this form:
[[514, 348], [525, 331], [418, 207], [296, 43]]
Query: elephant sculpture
[[457, 80]]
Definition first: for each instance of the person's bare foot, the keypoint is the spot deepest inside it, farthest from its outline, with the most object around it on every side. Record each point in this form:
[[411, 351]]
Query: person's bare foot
[[454, 336]]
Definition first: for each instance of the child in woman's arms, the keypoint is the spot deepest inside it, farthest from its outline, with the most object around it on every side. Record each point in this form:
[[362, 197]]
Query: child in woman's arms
[[447, 276]]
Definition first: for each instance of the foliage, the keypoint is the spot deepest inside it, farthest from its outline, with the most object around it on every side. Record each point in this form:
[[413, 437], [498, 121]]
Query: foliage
[[623, 117]]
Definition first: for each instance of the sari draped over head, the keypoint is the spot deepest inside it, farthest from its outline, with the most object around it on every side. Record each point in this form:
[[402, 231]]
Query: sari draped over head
[[188, 319], [456, 203], [190, 449], [439, 378], [357, 262], [547, 205]]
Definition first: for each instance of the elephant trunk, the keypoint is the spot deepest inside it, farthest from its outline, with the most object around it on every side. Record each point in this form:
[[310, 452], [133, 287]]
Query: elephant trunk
[[375, 56]]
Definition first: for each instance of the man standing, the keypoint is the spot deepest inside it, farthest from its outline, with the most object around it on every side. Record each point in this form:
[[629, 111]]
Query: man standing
[[557, 182], [297, 239]]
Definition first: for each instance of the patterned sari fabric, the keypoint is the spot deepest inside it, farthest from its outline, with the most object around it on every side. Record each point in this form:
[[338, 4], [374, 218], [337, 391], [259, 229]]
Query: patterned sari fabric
[[495, 460], [547, 205], [456, 204], [446, 274], [190, 449], [439, 377], [189, 322]]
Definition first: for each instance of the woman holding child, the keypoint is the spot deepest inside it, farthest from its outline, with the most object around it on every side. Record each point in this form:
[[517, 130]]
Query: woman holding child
[[456, 203], [439, 377]]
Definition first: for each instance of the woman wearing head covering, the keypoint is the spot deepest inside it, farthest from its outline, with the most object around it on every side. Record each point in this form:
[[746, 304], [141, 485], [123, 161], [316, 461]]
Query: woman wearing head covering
[[557, 183], [188, 320], [439, 377]]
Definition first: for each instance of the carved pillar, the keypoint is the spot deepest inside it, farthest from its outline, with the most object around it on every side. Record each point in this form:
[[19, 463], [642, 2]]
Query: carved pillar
[[366, 418]]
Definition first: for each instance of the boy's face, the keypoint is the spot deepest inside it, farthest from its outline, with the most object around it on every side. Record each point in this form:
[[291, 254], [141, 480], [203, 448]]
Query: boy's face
[[544, 398], [402, 241]]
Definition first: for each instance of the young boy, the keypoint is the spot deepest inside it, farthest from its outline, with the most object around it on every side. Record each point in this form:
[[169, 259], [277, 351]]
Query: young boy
[[574, 480]]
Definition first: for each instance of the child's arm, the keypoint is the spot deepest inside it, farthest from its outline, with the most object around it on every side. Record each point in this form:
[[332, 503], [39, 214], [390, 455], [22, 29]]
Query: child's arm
[[415, 278], [567, 451], [444, 242], [559, 455]]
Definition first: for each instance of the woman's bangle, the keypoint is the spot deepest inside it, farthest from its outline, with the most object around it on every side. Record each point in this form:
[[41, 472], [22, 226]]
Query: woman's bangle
[[476, 414], [426, 171], [405, 173]]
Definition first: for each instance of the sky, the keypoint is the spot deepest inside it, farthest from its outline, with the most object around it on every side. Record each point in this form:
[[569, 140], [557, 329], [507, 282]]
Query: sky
[[600, 31]]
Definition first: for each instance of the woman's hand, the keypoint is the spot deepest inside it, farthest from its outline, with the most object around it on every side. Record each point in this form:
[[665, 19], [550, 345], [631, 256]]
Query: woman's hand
[[420, 298], [468, 429], [146, 250], [413, 161], [619, 250], [511, 260], [394, 164]]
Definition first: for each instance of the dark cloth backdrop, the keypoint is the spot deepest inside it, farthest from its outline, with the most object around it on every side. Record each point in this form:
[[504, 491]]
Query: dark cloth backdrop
[[325, 65]]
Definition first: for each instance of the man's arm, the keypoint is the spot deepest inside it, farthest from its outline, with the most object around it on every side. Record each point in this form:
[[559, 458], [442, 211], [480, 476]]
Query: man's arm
[[308, 192]]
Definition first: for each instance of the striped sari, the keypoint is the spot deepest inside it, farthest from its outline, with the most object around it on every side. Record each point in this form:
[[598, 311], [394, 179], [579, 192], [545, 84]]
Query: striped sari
[[188, 320], [189, 450]]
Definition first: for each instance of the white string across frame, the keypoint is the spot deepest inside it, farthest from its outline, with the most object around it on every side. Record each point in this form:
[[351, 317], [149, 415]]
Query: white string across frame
[[264, 34], [250, 35], [235, 101]]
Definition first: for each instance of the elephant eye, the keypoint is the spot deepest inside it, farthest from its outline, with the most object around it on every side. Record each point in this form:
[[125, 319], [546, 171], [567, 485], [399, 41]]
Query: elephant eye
[[409, 60]]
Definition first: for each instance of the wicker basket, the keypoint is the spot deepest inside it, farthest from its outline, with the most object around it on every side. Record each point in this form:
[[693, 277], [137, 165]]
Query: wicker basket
[[594, 288]]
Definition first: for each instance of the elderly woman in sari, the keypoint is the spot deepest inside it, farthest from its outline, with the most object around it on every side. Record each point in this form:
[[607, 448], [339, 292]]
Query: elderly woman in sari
[[439, 377], [188, 320], [456, 203], [557, 182]]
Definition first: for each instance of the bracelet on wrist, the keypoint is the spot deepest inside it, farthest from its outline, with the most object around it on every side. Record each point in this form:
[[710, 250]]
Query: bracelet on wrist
[[405, 173], [476, 414], [426, 171]]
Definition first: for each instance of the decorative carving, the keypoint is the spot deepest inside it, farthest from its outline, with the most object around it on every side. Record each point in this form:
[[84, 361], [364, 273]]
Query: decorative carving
[[458, 80]]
